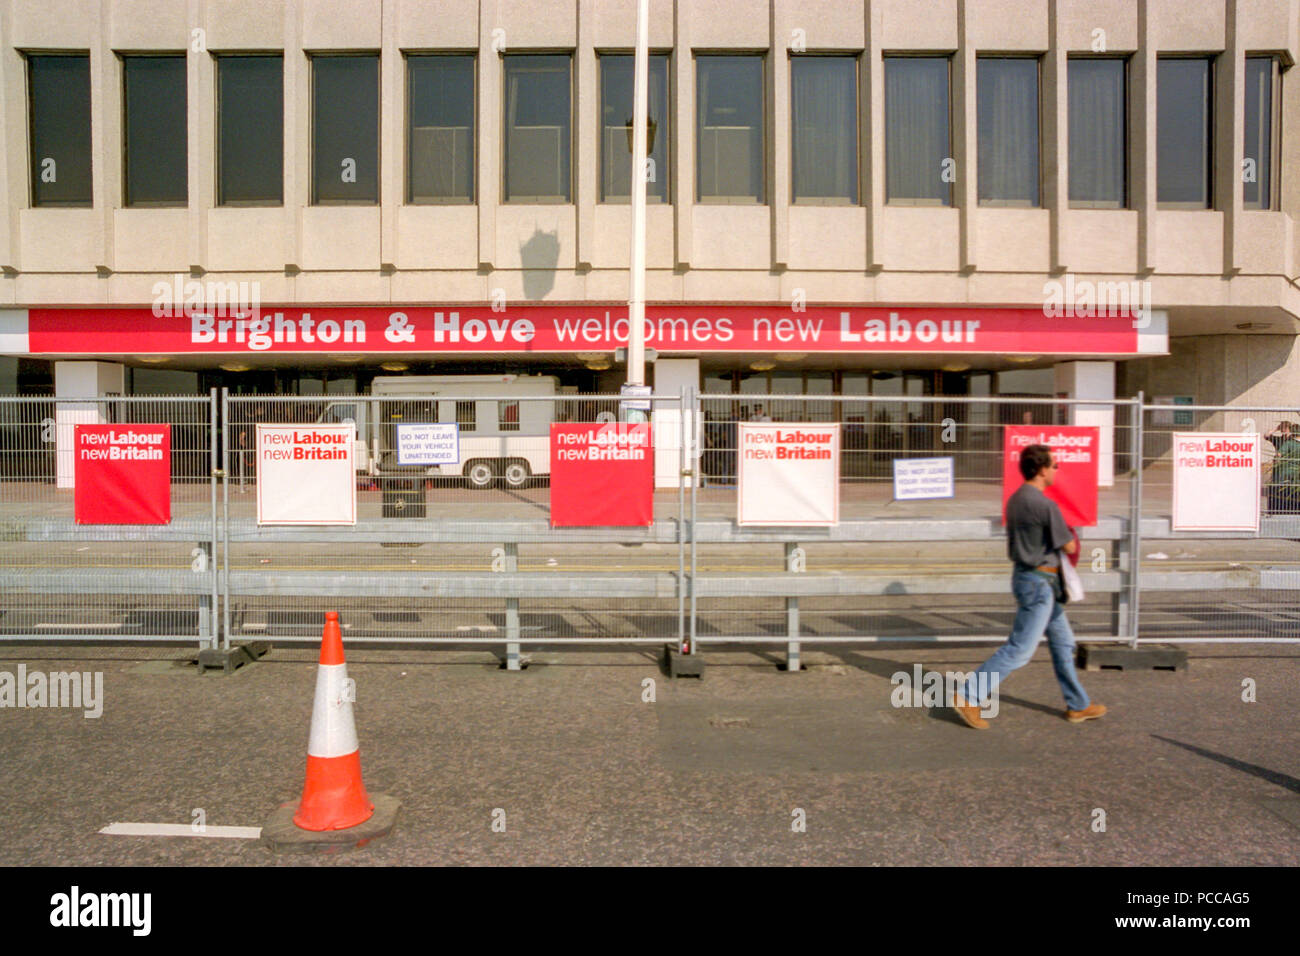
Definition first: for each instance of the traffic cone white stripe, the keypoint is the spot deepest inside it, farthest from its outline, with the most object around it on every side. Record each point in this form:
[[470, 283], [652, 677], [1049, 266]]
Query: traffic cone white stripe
[[333, 731]]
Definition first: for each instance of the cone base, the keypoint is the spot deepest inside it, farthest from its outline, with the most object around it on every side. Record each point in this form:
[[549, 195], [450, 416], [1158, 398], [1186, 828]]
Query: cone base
[[333, 798], [281, 835]]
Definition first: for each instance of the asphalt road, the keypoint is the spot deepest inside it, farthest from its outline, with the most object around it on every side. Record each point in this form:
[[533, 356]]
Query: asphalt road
[[712, 771]]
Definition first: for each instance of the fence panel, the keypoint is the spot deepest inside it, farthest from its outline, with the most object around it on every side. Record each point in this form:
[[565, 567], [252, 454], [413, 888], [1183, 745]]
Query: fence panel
[[473, 558], [461, 554], [1220, 586], [61, 579], [899, 569]]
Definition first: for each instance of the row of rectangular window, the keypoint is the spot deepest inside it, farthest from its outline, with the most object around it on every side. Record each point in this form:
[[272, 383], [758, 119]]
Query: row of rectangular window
[[731, 119]]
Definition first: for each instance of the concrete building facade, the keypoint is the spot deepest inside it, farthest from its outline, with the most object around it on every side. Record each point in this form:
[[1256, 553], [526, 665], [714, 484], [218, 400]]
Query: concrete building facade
[[786, 189]]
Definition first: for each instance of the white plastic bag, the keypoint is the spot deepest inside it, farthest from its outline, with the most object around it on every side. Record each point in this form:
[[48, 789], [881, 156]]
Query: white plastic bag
[[1070, 578]]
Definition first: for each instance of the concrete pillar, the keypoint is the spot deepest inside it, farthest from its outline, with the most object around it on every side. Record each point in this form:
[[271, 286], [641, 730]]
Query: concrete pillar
[[488, 130], [965, 193], [670, 376], [80, 380], [1092, 380], [782, 21]]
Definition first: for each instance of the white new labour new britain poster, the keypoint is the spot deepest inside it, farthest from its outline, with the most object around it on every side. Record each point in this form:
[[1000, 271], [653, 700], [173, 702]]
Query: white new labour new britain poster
[[306, 474], [1216, 481], [789, 474]]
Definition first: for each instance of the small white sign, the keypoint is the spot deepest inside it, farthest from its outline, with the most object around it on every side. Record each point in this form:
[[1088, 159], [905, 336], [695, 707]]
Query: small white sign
[[918, 478], [1216, 481], [429, 444], [632, 399], [306, 474]]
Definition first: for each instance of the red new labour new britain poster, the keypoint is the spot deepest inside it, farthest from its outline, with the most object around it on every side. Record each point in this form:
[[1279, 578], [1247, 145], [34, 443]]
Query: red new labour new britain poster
[[122, 474], [602, 475]]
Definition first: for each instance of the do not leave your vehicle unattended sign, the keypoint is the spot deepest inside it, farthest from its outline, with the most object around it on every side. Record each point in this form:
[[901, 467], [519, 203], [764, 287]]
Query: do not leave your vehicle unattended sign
[[306, 474]]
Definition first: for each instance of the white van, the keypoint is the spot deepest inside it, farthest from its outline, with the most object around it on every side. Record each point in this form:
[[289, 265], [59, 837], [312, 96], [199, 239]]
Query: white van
[[500, 440]]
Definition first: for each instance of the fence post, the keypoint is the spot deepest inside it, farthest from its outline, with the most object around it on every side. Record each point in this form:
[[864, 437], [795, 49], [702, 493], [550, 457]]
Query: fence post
[[225, 518], [513, 662], [792, 662], [1135, 521], [683, 474], [214, 611], [695, 407]]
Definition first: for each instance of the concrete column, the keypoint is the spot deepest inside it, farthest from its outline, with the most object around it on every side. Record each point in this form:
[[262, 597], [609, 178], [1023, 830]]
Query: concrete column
[[489, 120], [778, 135], [586, 86], [200, 94], [105, 131], [1092, 380], [871, 113], [297, 140], [1056, 136], [1142, 146], [1230, 135], [80, 380], [964, 135], [12, 188], [670, 376], [683, 65], [392, 139]]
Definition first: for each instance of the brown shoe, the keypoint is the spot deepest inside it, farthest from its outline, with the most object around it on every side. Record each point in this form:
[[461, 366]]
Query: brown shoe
[[1091, 712], [969, 713]]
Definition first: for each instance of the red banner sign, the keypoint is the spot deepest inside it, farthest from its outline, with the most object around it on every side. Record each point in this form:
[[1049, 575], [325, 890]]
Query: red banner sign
[[122, 474], [1075, 449], [602, 476], [577, 328]]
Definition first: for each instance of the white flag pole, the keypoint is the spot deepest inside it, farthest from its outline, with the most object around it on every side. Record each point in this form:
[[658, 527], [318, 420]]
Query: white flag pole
[[640, 98]]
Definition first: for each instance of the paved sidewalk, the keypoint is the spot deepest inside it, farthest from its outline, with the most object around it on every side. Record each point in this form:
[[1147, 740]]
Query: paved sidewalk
[[588, 773]]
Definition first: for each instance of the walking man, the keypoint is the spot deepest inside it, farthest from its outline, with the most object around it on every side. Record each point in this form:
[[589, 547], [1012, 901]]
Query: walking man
[[1035, 532]]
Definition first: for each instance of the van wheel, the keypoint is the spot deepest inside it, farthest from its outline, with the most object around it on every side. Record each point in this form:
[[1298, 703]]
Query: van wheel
[[517, 473], [480, 474]]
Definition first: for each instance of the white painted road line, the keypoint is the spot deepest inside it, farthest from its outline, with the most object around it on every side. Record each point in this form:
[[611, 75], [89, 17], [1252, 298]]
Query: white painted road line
[[181, 830]]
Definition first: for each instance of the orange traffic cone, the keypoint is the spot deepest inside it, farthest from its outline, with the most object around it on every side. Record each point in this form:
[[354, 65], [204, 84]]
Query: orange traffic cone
[[334, 798]]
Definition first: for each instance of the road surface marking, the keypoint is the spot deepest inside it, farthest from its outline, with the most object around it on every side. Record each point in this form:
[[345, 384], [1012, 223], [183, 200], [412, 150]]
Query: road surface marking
[[181, 830]]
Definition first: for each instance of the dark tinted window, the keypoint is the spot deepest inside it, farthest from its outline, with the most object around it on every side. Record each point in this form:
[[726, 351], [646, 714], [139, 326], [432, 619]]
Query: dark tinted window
[[824, 121], [155, 131], [345, 129], [1007, 95], [1257, 174], [59, 90], [440, 129], [1098, 143], [730, 137], [918, 151], [1183, 107], [615, 128], [250, 129], [538, 123]]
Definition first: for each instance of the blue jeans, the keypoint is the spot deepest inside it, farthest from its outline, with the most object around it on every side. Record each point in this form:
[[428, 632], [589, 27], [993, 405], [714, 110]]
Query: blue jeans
[[1037, 611]]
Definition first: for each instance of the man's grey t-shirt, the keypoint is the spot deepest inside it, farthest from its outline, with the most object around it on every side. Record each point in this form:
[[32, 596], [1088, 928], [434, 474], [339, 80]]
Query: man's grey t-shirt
[[1035, 528]]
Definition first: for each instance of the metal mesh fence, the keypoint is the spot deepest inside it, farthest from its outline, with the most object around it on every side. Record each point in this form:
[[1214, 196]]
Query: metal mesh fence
[[469, 554], [876, 432], [951, 580], [464, 552], [87, 579], [1218, 586]]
